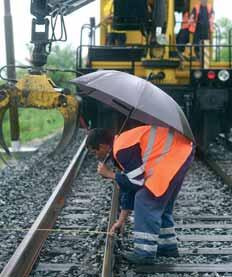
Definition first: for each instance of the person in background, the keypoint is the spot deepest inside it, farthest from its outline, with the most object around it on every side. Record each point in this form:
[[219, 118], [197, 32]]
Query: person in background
[[114, 37], [153, 162], [201, 24], [183, 35]]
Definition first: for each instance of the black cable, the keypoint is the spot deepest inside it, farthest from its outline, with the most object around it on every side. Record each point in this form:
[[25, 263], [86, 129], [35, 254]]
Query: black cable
[[15, 66], [64, 70], [64, 27], [63, 31], [30, 67], [53, 26]]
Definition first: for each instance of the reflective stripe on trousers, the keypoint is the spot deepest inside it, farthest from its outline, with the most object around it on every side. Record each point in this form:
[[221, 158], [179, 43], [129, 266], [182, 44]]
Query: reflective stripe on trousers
[[145, 243]]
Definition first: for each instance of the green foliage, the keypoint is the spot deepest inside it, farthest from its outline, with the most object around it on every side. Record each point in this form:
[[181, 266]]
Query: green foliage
[[225, 26], [64, 59], [34, 123]]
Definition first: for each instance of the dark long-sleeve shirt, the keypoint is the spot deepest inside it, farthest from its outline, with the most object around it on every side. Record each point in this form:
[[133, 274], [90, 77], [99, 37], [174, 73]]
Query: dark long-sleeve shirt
[[131, 179], [203, 25]]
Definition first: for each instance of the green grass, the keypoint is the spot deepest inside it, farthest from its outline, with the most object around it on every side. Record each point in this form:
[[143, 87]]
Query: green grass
[[34, 123]]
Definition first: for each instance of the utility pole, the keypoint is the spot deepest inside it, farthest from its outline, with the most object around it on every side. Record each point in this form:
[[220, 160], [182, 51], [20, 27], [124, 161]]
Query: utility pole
[[11, 74]]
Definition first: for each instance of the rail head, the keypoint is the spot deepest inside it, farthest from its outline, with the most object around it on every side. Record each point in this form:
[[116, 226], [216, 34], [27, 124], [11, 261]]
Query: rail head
[[108, 261], [216, 167]]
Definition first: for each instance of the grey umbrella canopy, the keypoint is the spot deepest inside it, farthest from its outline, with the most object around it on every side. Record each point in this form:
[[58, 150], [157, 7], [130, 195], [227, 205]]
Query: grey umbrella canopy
[[132, 95]]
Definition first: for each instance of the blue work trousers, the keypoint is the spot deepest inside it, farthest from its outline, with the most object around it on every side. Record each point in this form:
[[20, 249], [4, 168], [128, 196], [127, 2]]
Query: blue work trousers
[[154, 224]]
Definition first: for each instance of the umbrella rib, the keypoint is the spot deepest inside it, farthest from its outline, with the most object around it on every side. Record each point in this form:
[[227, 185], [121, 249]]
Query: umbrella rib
[[87, 93], [122, 105]]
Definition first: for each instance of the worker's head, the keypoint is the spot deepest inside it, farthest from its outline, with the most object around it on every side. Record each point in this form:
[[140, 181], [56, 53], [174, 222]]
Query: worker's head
[[99, 142], [204, 2]]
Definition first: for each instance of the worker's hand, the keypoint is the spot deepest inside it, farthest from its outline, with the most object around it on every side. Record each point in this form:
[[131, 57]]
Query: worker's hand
[[117, 227], [104, 171]]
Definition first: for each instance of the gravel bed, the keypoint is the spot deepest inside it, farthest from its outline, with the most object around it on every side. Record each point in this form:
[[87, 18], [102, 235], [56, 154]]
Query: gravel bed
[[202, 193], [25, 188], [219, 152], [90, 200]]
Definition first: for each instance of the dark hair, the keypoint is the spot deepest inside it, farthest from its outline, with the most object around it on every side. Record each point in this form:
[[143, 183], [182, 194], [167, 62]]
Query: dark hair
[[99, 136]]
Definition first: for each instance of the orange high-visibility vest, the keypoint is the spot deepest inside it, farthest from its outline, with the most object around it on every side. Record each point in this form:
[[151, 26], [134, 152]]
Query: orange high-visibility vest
[[163, 151], [193, 23], [185, 21]]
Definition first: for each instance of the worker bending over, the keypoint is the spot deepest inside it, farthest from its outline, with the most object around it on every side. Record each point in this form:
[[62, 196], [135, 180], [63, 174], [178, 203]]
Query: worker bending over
[[113, 37], [153, 162]]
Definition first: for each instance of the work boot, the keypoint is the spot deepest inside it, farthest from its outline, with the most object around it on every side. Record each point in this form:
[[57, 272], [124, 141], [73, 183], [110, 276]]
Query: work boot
[[168, 253], [134, 258]]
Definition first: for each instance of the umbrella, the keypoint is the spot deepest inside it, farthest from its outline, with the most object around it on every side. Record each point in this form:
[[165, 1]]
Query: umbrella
[[134, 97]]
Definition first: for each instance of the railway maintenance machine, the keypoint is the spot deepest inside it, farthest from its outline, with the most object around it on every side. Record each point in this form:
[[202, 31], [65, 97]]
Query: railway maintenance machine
[[201, 85]]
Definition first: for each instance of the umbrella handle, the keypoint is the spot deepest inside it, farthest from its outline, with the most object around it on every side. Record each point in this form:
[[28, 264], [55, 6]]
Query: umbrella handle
[[107, 156]]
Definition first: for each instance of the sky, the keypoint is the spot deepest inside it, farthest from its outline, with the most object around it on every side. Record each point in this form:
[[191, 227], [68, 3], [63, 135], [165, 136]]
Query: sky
[[22, 24]]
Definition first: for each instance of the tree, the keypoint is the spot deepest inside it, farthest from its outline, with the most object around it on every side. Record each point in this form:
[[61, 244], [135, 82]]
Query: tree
[[60, 59], [63, 59], [225, 26]]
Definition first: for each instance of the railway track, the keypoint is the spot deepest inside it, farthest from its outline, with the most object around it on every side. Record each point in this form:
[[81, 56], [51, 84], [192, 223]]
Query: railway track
[[27, 252], [211, 232], [79, 244], [203, 225], [220, 161], [68, 236]]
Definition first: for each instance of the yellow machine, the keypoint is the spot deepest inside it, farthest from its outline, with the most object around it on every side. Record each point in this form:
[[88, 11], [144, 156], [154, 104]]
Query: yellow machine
[[201, 86], [160, 41], [139, 37]]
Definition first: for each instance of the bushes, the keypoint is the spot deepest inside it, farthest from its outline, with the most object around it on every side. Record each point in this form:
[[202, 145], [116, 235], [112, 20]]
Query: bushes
[[34, 123]]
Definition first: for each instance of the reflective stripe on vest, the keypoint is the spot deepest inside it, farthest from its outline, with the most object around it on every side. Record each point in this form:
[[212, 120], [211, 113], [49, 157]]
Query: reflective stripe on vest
[[193, 23], [134, 173], [150, 147], [150, 144]]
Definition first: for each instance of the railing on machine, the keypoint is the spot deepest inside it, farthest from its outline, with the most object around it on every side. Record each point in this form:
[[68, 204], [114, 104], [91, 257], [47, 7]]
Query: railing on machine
[[230, 48], [215, 55], [218, 39], [91, 27]]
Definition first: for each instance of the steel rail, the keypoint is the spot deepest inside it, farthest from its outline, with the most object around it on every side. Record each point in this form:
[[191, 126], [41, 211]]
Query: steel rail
[[108, 260], [225, 141], [23, 259], [218, 170]]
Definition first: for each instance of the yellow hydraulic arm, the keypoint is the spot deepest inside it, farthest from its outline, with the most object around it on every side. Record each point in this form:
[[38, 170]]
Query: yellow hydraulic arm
[[36, 90]]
